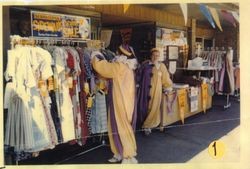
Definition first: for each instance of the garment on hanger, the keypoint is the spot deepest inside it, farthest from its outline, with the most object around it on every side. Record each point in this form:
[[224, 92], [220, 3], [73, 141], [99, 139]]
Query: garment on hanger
[[143, 80], [72, 73], [64, 102], [29, 126], [237, 77], [82, 97], [226, 84], [46, 98], [99, 120]]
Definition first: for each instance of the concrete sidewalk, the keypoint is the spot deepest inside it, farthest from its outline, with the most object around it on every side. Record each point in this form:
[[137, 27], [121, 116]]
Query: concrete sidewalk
[[232, 149]]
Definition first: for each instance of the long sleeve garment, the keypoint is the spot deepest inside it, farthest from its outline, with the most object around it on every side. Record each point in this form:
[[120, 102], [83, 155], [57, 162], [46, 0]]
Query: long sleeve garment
[[143, 78], [159, 80], [121, 134]]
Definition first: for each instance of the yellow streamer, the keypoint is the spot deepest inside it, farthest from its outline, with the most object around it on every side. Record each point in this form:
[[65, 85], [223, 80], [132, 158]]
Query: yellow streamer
[[125, 7], [204, 96], [182, 94]]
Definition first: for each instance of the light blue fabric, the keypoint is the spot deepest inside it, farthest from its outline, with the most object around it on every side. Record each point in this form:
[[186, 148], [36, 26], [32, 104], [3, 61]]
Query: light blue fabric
[[99, 115], [207, 14]]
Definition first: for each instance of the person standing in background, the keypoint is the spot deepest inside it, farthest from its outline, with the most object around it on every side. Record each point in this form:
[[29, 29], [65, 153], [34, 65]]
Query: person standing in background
[[153, 79]]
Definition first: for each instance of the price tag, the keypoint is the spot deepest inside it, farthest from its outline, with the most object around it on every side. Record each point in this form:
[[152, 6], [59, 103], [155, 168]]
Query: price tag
[[43, 88], [70, 82], [86, 88], [41, 83], [55, 84], [50, 84], [102, 84], [90, 102], [204, 96]]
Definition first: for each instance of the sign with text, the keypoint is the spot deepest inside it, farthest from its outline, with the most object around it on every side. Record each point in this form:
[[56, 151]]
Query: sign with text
[[45, 24], [171, 36]]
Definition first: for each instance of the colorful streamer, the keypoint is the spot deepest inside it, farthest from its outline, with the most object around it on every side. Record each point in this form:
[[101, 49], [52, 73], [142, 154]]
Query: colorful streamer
[[236, 16], [204, 96], [215, 15], [229, 17], [125, 7], [184, 11], [207, 14], [182, 97]]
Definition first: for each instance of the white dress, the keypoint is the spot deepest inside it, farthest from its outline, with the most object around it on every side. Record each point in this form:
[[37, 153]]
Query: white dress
[[26, 128], [65, 105]]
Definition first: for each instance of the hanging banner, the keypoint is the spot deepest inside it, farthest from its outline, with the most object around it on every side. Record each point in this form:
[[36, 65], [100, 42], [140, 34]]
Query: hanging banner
[[236, 16], [184, 12], [125, 7], [193, 99], [204, 96], [182, 94], [216, 17], [45, 24], [207, 14], [228, 16]]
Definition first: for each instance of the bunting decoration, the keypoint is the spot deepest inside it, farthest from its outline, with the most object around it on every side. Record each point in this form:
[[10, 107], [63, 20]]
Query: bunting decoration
[[229, 17], [204, 96], [216, 18], [184, 11], [236, 16], [182, 94], [207, 14], [125, 7]]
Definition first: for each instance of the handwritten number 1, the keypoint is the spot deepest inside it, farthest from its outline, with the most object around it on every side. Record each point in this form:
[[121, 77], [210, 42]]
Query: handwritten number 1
[[214, 145]]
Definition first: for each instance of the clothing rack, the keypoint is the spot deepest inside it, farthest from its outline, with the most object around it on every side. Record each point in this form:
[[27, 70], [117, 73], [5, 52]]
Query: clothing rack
[[222, 49], [16, 39], [32, 41]]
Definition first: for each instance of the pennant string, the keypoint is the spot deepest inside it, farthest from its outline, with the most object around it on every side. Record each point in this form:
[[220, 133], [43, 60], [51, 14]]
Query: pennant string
[[207, 14], [215, 15], [184, 11]]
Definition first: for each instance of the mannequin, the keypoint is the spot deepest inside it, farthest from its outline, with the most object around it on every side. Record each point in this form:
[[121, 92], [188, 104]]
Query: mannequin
[[121, 115]]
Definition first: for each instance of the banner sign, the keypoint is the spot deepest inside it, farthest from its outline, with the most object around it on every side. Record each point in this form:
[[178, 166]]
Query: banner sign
[[182, 95], [204, 96], [193, 99], [171, 37], [45, 24]]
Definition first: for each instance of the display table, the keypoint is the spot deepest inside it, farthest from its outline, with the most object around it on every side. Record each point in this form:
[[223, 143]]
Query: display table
[[169, 118]]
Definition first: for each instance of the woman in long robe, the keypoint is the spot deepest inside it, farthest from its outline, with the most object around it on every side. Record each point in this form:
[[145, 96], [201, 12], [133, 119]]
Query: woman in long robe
[[159, 83]]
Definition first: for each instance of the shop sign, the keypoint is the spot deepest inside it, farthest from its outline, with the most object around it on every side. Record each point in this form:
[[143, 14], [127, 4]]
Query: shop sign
[[45, 24], [171, 36]]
